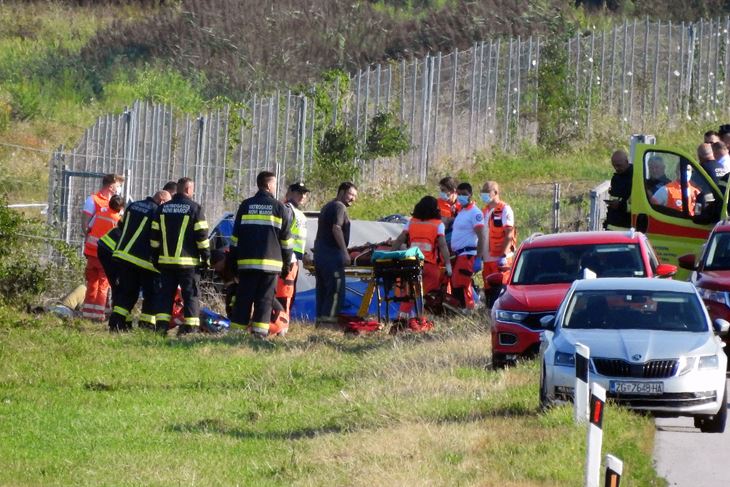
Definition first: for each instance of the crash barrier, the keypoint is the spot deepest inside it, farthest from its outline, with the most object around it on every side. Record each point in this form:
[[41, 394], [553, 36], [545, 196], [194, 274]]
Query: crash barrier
[[588, 405], [595, 435], [614, 468], [580, 397]]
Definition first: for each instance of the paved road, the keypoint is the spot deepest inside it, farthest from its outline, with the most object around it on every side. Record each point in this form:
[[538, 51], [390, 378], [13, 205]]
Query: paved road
[[688, 458]]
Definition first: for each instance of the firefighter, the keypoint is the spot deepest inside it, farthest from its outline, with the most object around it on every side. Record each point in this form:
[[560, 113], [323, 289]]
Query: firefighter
[[133, 258], [180, 249], [98, 219], [261, 248], [296, 198], [468, 244], [105, 250], [502, 240], [425, 230]]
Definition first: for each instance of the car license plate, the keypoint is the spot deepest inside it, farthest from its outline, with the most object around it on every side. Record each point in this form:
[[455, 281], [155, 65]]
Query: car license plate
[[631, 387]]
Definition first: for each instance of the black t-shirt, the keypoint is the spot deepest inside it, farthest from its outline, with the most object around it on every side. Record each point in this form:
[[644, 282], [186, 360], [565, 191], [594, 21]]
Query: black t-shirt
[[333, 213], [621, 189]]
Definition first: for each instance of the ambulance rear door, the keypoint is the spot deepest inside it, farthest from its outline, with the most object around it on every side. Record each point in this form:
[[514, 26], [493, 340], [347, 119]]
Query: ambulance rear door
[[662, 204]]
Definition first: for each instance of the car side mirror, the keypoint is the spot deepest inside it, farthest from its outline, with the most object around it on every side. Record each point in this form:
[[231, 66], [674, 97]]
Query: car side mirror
[[548, 322], [721, 326], [495, 279], [667, 270], [686, 261]]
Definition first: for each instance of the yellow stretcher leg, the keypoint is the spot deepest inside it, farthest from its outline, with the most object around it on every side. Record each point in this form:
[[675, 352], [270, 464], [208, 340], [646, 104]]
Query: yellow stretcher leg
[[362, 312]]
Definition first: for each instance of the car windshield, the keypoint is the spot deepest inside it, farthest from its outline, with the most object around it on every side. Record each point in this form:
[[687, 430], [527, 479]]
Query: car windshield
[[718, 253], [644, 310], [549, 265]]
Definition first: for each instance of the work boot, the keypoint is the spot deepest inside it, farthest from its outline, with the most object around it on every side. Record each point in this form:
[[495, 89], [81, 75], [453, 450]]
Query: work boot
[[116, 323]]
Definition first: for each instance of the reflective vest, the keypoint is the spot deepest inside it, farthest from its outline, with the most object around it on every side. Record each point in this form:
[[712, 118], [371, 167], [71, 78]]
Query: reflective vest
[[447, 208], [424, 235], [496, 231], [674, 196], [298, 230], [103, 220]]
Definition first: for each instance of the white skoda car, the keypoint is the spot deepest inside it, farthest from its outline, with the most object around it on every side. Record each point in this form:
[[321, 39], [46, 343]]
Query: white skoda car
[[652, 348]]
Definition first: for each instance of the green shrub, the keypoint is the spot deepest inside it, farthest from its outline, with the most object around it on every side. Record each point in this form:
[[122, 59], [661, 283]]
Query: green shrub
[[26, 271], [336, 154], [387, 137]]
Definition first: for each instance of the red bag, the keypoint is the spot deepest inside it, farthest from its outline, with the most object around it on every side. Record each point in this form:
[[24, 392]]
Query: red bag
[[358, 325]]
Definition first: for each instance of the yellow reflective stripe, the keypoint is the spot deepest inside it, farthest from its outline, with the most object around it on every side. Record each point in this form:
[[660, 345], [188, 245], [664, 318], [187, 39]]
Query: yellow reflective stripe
[[205, 244], [163, 317], [140, 227], [234, 240], [164, 235], [192, 321], [166, 259], [269, 218], [181, 236], [260, 326], [260, 264], [238, 326], [120, 311], [155, 244], [133, 259], [287, 244], [155, 225], [148, 318], [108, 241], [201, 225]]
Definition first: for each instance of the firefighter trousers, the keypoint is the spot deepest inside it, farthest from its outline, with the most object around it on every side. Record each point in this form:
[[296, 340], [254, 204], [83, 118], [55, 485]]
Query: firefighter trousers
[[188, 278], [254, 299], [135, 279]]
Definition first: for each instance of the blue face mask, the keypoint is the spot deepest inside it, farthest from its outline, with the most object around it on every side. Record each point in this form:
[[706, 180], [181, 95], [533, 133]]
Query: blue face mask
[[444, 196], [486, 198], [463, 200]]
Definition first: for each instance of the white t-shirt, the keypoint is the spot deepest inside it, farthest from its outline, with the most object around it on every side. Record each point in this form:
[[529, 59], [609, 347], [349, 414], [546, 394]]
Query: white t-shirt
[[469, 221], [89, 206], [724, 161]]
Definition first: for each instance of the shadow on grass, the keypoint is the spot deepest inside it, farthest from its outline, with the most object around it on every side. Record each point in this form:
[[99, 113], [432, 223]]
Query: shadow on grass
[[220, 427], [509, 411], [340, 342]]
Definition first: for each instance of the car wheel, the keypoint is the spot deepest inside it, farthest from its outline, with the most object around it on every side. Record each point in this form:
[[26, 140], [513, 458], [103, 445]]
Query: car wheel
[[499, 361], [716, 422], [544, 401]]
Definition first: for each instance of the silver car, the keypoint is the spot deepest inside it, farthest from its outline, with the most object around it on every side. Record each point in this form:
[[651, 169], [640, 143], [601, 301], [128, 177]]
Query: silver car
[[652, 348]]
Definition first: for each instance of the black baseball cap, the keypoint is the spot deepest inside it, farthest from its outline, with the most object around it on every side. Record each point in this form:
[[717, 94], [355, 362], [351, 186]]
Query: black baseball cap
[[299, 188]]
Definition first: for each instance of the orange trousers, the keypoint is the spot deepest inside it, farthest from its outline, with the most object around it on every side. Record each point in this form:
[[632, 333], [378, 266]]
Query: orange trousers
[[461, 286], [97, 287], [285, 288], [490, 267]]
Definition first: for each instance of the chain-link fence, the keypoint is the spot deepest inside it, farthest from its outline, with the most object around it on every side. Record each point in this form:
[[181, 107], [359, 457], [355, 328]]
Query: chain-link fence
[[637, 74]]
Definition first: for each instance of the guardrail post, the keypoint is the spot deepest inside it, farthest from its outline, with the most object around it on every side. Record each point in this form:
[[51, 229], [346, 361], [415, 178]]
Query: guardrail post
[[580, 395], [614, 468], [595, 435]]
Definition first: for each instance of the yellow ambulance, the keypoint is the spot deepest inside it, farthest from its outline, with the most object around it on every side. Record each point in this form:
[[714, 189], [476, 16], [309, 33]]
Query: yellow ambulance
[[674, 201]]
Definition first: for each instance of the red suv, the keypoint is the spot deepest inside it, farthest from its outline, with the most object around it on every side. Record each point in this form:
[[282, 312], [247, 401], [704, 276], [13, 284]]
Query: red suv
[[544, 269], [711, 274]]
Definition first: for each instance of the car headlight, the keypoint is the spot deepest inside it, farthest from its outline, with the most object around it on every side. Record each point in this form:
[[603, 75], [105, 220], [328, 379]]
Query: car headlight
[[716, 296], [709, 362], [686, 364], [565, 359], [516, 316]]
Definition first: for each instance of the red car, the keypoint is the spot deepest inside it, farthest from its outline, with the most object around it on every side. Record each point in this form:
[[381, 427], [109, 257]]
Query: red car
[[544, 269], [711, 274]]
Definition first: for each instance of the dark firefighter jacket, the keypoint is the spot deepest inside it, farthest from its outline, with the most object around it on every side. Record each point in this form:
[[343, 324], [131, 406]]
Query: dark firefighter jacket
[[179, 236], [134, 244], [261, 238]]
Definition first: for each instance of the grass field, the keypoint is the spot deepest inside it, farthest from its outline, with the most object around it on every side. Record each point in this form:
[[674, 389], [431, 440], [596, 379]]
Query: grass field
[[81, 407]]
